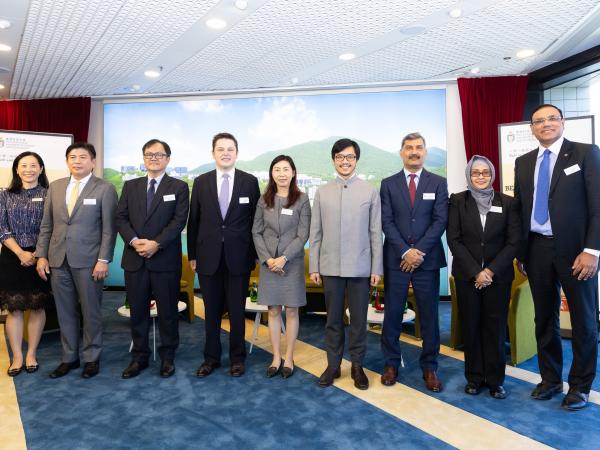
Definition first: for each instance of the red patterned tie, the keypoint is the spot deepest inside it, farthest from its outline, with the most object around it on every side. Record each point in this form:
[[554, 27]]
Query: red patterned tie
[[412, 189]]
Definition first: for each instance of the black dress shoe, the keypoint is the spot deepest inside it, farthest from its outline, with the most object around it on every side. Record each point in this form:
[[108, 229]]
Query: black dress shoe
[[167, 368], [575, 400], [272, 370], [90, 369], [472, 388], [287, 372], [237, 369], [134, 369], [64, 368], [32, 368], [545, 391], [14, 372], [206, 368], [498, 392], [360, 378], [327, 377]]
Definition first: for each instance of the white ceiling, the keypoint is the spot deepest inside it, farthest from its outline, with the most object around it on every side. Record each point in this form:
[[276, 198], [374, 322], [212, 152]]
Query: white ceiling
[[64, 48]]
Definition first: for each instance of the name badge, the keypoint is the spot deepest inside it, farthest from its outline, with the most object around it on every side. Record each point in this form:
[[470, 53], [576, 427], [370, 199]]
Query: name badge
[[37, 199], [244, 200], [169, 198], [572, 169], [496, 209], [287, 212], [428, 195], [89, 201]]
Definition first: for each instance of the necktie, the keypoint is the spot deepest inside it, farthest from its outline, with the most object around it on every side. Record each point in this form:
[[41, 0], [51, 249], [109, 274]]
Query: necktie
[[73, 198], [224, 195], [412, 189], [540, 212], [150, 194]]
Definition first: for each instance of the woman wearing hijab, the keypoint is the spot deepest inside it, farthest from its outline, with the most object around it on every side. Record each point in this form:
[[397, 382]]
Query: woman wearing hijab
[[483, 235]]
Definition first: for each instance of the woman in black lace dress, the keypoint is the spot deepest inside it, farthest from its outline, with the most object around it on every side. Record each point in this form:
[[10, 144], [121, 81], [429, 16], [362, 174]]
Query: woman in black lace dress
[[21, 289]]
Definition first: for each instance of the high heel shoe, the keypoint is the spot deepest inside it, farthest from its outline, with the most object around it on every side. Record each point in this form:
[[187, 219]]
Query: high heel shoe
[[272, 370], [287, 372], [14, 372], [32, 368]]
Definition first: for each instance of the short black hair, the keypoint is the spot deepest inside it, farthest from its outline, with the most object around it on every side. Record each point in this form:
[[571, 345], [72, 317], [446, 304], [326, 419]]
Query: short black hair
[[224, 135], [342, 144], [545, 105], [84, 145], [151, 142], [413, 137]]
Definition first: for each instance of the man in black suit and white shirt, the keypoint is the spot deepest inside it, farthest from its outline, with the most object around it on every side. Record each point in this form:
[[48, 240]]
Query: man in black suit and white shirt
[[151, 215], [557, 190], [221, 250]]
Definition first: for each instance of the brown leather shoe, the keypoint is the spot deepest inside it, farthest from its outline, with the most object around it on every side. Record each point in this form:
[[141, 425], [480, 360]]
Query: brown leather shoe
[[360, 378], [389, 375], [432, 382]]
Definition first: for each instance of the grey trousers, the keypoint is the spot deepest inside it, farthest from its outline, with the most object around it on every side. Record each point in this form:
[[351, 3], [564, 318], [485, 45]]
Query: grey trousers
[[73, 288], [357, 291]]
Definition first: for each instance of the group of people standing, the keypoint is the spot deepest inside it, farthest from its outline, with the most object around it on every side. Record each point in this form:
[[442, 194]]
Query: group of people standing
[[355, 234]]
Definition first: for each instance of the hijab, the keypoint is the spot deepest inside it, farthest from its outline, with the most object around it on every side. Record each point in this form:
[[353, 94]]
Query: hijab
[[483, 197]]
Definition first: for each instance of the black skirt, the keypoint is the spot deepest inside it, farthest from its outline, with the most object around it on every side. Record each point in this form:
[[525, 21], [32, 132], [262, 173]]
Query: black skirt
[[21, 288]]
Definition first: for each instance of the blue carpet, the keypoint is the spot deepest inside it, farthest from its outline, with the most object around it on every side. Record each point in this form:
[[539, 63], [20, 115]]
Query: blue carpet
[[187, 412]]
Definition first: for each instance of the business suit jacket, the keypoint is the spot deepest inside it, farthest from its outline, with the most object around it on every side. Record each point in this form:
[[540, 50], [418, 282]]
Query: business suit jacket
[[475, 248], [163, 223], [276, 234], [420, 227], [209, 233], [574, 200], [88, 234]]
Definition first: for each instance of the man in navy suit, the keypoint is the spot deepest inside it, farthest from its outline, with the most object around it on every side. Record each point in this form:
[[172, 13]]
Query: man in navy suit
[[151, 215], [414, 212], [221, 250], [557, 189]]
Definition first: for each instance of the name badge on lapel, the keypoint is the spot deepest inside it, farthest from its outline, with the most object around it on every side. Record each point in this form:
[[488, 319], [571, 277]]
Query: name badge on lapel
[[571, 170], [287, 212], [169, 198], [496, 209], [244, 200], [89, 201], [428, 195], [37, 199]]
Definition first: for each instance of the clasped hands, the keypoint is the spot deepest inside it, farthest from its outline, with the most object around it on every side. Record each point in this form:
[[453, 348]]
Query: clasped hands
[[27, 258], [484, 278], [412, 259], [146, 248], [276, 264]]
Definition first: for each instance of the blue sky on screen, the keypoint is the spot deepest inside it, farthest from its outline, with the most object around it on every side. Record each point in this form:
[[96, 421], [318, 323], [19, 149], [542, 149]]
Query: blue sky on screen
[[264, 124]]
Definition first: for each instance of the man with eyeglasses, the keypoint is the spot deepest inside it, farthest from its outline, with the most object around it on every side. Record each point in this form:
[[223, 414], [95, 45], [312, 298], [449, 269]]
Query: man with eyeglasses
[[414, 211], [346, 254], [557, 189], [151, 215]]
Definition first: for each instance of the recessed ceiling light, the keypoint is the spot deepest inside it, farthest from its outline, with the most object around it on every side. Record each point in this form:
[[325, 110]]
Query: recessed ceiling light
[[347, 56], [4, 24], [5, 48], [455, 13], [1, 86], [216, 24], [135, 87], [153, 72], [241, 4], [525, 53], [475, 70]]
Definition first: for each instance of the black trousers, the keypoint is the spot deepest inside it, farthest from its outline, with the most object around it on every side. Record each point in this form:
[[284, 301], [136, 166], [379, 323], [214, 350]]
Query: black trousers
[[143, 285], [220, 289], [547, 272], [483, 316], [335, 290]]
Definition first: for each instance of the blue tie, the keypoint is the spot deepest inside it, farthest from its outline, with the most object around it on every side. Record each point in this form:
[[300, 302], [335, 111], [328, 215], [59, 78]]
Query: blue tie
[[540, 213], [150, 195]]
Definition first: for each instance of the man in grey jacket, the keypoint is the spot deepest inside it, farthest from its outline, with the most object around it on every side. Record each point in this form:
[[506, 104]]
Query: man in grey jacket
[[75, 245], [346, 250]]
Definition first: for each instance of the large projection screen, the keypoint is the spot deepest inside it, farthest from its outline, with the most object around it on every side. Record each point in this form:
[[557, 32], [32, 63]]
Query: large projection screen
[[51, 147]]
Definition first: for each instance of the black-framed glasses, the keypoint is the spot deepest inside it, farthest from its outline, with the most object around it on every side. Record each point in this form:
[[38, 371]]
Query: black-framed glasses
[[483, 173], [339, 157], [154, 155], [549, 119]]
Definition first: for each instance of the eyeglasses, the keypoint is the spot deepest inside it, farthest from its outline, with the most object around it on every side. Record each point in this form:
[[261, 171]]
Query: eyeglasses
[[483, 173], [154, 155], [549, 119], [349, 158]]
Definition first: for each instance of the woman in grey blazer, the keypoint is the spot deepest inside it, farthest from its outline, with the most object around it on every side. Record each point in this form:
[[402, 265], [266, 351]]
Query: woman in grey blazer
[[281, 227]]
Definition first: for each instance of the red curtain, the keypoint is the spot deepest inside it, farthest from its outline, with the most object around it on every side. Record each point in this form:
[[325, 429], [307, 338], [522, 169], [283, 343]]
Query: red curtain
[[485, 103], [54, 115]]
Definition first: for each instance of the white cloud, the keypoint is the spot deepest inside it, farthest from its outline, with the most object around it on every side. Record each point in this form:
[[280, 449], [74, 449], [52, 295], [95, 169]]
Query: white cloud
[[204, 106]]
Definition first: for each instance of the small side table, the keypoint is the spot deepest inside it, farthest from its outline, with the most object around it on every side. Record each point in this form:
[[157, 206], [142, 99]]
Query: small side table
[[125, 312]]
